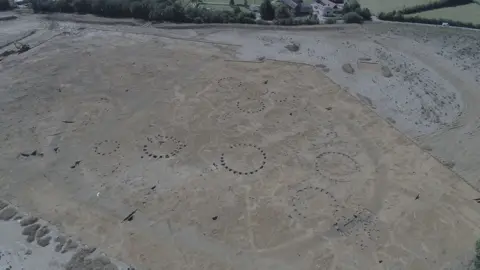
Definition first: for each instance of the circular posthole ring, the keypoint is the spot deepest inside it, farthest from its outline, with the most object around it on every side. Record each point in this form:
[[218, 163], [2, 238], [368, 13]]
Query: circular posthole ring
[[162, 147], [243, 153], [106, 147], [336, 166], [251, 106]]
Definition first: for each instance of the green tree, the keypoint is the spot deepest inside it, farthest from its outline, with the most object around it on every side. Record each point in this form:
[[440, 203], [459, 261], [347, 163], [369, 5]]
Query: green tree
[[66, 6], [245, 3], [352, 5], [282, 12], [113, 8], [267, 12], [232, 3], [98, 7], [4, 5], [365, 13], [331, 21], [139, 10], [82, 6], [168, 14]]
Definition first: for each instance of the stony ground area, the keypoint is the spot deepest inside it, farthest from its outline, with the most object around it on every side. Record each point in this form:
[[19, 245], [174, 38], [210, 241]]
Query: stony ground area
[[28, 242], [211, 149]]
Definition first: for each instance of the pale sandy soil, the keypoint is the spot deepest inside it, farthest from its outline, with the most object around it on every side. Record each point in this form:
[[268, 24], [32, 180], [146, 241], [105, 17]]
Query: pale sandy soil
[[245, 165]]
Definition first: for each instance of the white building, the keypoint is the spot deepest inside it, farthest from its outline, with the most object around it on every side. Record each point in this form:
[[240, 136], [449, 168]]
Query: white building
[[321, 10]]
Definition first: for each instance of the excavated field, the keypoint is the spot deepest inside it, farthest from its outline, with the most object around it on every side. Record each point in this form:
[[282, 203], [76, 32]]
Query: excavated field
[[211, 149]]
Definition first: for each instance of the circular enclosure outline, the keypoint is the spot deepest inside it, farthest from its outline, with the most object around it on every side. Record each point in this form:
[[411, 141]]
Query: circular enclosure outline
[[291, 100], [229, 83], [243, 145], [336, 179], [294, 199], [98, 144], [259, 109], [179, 147]]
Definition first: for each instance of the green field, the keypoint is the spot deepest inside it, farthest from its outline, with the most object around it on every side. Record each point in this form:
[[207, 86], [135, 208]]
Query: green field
[[467, 13], [377, 6]]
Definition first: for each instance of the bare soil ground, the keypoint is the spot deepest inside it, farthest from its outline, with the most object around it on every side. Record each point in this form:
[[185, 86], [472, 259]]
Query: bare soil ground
[[230, 156]]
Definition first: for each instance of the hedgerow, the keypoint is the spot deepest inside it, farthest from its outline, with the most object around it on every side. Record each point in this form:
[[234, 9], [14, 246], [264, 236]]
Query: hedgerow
[[434, 5], [399, 17]]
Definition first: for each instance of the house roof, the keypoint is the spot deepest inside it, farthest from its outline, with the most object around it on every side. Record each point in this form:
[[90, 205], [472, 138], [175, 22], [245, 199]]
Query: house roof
[[290, 3]]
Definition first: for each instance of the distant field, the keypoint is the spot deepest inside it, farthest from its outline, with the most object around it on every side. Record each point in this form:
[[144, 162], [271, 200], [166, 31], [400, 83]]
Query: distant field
[[377, 6], [467, 13]]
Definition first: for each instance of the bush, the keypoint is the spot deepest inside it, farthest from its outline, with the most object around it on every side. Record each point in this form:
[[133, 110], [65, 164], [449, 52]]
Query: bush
[[282, 12], [246, 17], [43, 6], [287, 21], [198, 20], [4, 5], [266, 10], [330, 21], [352, 17], [311, 21]]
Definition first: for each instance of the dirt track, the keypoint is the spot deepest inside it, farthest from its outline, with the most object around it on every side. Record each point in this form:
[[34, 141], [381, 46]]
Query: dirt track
[[245, 165]]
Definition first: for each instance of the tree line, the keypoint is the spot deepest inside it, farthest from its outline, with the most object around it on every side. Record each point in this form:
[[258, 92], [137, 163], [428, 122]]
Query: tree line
[[399, 16], [192, 12], [4, 5], [152, 10], [434, 5]]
